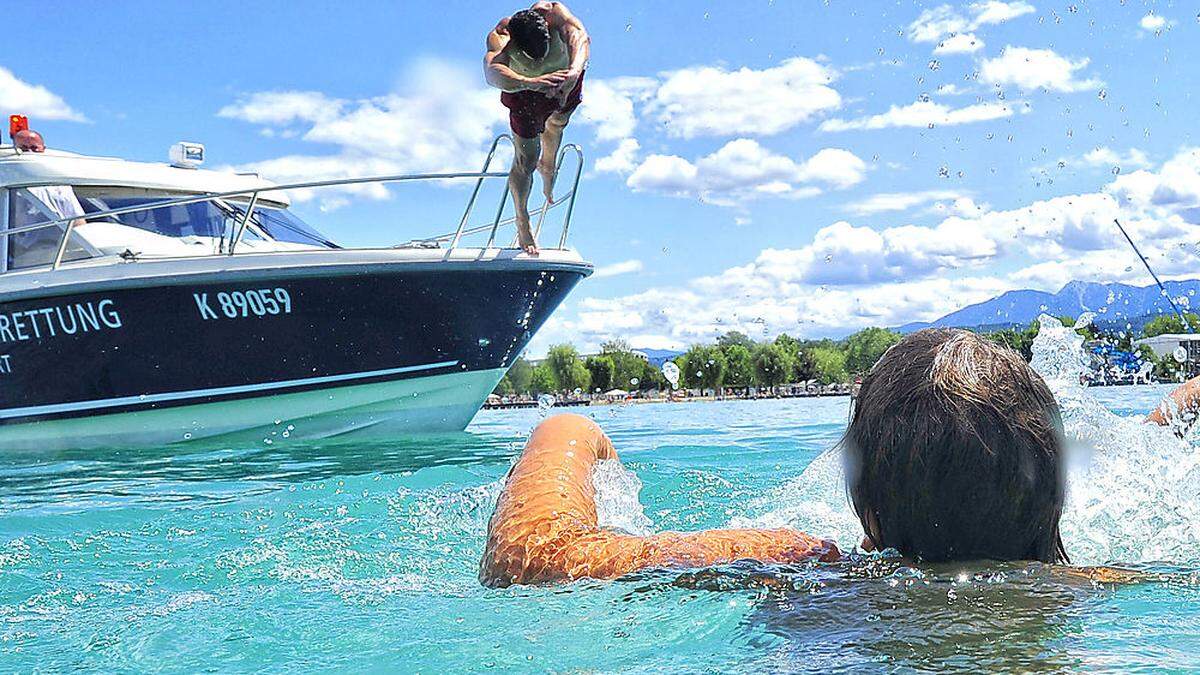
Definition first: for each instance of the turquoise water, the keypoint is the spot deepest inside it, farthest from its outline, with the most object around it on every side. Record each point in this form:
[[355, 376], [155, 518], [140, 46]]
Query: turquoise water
[[363, 557]]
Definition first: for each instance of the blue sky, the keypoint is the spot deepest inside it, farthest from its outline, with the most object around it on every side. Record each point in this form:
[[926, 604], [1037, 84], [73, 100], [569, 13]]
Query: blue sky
[[800, 167]]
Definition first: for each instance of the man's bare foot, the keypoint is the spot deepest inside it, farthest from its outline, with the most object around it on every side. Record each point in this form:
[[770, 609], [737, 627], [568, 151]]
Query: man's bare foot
[[525, 240]]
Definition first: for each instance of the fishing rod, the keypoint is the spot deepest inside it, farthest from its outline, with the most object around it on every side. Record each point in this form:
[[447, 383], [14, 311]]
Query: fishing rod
[[1187, 326]]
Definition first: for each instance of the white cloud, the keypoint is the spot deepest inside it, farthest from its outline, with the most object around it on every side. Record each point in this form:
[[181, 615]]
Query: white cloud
[[742, 170], [938, 23], [712, 101], [1153, 22], [617, 269], [1031, 69], [33, 100], [951, 89], [994, 11], [282, 107], [849, 276], [1107, 157], [922, 114], [610, 103], [961, 43], [899, 201], [622, 160], [444, 123]]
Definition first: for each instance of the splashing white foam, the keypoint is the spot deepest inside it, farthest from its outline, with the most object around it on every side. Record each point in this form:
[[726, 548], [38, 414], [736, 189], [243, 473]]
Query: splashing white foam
[[617, 503], [1131, 486], [1131, 493]]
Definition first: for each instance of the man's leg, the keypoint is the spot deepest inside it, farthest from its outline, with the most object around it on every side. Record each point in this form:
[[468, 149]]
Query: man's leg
[[520, 181], [551, 141]]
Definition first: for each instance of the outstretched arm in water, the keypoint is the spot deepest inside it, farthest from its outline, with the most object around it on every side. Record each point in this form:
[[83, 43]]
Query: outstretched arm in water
[[545, 530], [1180, 409]]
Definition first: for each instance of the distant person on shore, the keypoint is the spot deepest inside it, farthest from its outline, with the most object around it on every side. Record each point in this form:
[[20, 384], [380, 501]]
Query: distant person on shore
[[537, 57], [954, 452]]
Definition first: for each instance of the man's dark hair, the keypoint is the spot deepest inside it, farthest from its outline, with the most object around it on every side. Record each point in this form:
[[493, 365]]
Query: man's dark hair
[[530, 31], [955, 452]]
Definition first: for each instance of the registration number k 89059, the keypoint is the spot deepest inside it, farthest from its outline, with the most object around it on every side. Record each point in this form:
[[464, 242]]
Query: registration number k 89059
[[243, 304]]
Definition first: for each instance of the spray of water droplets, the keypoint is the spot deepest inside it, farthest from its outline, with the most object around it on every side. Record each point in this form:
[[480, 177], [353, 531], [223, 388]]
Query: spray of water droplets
[[1131, 485]]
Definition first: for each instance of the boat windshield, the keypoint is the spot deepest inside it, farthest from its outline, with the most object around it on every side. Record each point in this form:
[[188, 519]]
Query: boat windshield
[[283, 225]]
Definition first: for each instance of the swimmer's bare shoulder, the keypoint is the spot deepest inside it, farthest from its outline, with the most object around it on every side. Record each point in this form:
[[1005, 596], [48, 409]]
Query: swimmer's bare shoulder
[[1109, 575], [1179, 410]]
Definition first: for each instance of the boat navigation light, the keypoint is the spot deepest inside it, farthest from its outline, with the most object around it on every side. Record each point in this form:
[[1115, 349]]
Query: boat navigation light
[[187, 155], [17, 123]]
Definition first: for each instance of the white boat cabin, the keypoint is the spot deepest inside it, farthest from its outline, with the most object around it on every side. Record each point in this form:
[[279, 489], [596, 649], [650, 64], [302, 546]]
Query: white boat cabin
[[39, 187]]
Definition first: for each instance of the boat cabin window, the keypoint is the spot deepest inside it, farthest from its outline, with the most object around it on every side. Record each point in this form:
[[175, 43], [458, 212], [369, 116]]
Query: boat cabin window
[[203, 219], [182, 230], [38, 247]]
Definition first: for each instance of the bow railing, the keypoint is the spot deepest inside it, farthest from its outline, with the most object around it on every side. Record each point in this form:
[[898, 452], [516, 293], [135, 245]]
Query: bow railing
[[253, 195]]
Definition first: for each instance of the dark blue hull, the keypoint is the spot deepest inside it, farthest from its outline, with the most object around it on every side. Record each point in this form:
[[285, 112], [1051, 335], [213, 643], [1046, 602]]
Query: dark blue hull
[[135, 346]]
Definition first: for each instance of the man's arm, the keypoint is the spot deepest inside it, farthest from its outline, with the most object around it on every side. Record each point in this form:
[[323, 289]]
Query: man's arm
[[495, 62], [499, 75], [579, 44], [574, 34], [1179, 410]]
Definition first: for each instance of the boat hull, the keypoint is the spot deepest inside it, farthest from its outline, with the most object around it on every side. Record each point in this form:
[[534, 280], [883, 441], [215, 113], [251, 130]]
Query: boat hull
[[325, 350]]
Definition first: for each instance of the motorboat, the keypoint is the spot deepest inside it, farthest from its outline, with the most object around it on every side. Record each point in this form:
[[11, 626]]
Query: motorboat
[[156, 303]]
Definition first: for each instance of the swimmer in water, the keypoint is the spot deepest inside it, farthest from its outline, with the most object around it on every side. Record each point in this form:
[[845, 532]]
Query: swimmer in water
[[954, 452]]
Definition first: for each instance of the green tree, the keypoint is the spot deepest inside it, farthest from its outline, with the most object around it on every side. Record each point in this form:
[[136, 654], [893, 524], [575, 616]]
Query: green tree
[[732, 338], [602, 370], [516, 380], [801, 364], [772, 365], [803, 368], [627, 365], [569, 371], [865, 347], [651, 378], [1169, 323], [541, 380], [829, 364], [1019, 339], [704, 367], [739, 366]]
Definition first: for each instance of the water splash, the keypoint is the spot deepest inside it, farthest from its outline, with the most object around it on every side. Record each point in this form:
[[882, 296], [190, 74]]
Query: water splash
[[1131, 494], [617, 503], [1130, 491], [671, 372]]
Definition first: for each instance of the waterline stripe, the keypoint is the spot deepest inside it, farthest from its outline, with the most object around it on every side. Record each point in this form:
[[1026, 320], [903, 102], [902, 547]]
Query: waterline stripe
[[219, 391]]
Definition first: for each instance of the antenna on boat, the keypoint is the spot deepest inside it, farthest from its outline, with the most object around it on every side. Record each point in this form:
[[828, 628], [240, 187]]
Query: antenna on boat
[[1187, 326]]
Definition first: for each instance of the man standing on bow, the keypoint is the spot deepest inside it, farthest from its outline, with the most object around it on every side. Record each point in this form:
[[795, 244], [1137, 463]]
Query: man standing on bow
[[537, 57]]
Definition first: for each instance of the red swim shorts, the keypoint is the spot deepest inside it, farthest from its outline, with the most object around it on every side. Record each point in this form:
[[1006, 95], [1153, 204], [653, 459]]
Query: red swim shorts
[[529, 110]]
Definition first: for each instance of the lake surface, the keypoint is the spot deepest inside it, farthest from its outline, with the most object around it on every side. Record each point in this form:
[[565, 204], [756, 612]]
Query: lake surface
[[363, 557]]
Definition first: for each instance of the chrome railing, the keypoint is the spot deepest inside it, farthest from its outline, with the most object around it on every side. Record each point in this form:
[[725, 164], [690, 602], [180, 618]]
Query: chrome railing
[[69, 223]]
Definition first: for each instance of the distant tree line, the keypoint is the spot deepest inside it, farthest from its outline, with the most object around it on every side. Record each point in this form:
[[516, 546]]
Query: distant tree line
[[735, 361]]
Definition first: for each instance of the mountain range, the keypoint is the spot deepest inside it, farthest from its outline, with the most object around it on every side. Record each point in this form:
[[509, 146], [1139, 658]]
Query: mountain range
[[1115, 305]]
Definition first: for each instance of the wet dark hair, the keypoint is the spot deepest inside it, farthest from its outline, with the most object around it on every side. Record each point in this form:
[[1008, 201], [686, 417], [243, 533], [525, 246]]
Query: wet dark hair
[[530, 31], [955, 452]]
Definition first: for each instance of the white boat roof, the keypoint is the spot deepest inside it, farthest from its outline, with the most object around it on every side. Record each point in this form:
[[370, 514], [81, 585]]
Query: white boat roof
[[58, 167]]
